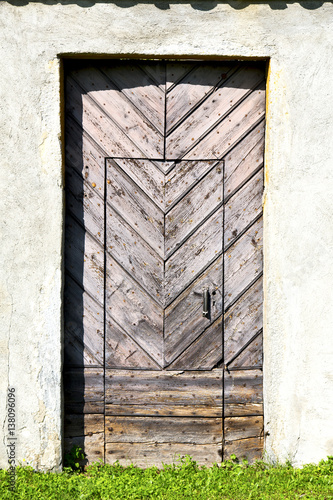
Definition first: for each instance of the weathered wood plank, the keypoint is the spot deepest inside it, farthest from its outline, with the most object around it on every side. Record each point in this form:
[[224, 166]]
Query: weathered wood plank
[[83, 425], [85, 205], [243, 409], [84, 155], [156, 71], [251, 356], [121, 351], [136, 208], [175, 71], [114, 108], [249, 448], [192, 209], [84, 327], [163, 430], [93, 446], [183, 177], [84, 407], [145, 174], [157, 454], [193, 131], [243, 387], [232, 129], [236, 428], [153, 387], [243, 436], [192, 89], [243, 320], [183, 318], [170, 410], [136, 84], [84, 259], [243, 208], [243, 263], [193, 256], [134, 310], [244, 159], [83, 385], [103, 130], [204, 353], [135, 255]]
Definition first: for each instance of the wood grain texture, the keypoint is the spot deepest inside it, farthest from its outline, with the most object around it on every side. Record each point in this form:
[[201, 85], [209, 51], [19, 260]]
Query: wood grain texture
[[145, 91], [244, 159], [243, 321], [156, 454], [145, 174], [107, 109], [85, 205], [233, 128], [202, 248], [163, 430], [243, 208], [243, 387], [236, 428], [251, 354], [183, 176], [160, 410], [103, 131], [136, 208], [243, 263], [243, 437], [84, 249], [189, 91], [122, 351], [248, 448], [84, 327], [83, 425], [164, 388], [145, 265], [82, 385], [205, 352], [84, 407], [204, 133], [243, 409], [192, 209], [183, 318], [138, 315]]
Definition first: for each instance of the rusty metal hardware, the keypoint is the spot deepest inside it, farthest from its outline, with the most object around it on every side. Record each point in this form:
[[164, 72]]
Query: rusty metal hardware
[[205, 311]]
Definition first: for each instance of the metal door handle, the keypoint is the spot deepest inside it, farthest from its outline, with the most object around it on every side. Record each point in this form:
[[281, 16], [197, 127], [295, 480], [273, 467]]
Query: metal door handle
[[205, 311]]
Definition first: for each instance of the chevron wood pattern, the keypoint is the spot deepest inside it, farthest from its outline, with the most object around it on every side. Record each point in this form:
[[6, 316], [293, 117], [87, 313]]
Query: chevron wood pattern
[[164, 185]]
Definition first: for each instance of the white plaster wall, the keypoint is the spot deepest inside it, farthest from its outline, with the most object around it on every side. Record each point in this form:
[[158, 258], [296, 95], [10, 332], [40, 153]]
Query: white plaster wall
[[298, 239]]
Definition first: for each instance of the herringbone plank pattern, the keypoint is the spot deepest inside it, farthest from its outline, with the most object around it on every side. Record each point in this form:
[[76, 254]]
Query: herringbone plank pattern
[[164, 184]]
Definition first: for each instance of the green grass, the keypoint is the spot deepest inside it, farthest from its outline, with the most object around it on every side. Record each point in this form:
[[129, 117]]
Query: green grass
[[185, 480]]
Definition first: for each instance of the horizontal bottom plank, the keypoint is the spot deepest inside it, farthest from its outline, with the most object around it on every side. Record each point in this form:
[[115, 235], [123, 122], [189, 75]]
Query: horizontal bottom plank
[[157, 454], [84, 407], [163, 411], [147, 387], [249, 448], [163, 430], [243, 409], [243, 427], [83, 425]]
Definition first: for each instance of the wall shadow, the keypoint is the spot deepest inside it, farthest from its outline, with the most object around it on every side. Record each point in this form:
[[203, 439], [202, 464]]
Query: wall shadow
[[204, 5]]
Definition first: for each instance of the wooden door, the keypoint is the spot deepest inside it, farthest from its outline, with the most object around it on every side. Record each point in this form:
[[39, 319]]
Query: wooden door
[[163, 292]]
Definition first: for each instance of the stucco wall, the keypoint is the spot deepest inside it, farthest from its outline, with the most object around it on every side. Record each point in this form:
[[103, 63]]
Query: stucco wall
[[298, 201]]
